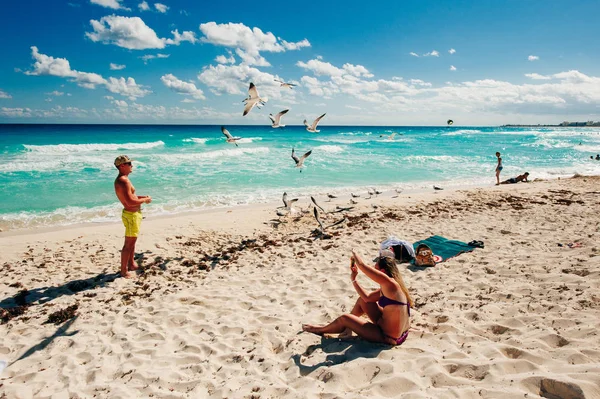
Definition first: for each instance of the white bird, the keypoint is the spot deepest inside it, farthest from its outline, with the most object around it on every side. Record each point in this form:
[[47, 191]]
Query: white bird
[[355, 195], [331, 196], [390, 137], [353, 201], [300, 161], [277, 118], [437, 188], [253, 99], [313, 128], [284, 84], [230, 138], [288, 203]]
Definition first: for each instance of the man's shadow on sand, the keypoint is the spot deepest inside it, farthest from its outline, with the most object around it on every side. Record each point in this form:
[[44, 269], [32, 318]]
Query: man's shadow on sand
[[339, 351]]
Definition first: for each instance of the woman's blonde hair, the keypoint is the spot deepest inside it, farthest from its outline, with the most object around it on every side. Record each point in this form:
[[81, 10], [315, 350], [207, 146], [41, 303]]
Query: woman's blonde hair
[[388, 265]]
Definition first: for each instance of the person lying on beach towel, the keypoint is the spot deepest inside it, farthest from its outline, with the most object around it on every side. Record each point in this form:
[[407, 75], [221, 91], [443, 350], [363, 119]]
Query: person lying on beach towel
[[388, 307], [517, 179]]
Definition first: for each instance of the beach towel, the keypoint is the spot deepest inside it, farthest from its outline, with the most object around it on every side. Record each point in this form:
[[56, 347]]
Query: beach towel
[[443, 248]]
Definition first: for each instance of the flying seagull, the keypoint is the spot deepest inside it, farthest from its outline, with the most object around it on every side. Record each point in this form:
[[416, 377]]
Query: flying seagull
[[230, 138], [253, 99], [315, 202], [288, 203], [300, 161], [277, 118], [284, 84], [313, 128]]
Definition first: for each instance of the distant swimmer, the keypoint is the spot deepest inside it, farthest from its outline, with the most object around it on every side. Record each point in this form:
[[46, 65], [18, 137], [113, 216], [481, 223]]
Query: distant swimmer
[[498, 168], [597, 157], [517, 179]]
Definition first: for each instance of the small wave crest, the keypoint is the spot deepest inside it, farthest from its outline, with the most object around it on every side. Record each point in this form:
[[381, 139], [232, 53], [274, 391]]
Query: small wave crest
[[231, 152], [76, 148], [331, 149], [195, 140]]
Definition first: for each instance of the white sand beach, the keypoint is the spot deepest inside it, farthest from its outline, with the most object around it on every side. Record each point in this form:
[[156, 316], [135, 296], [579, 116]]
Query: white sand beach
[[217, 308]]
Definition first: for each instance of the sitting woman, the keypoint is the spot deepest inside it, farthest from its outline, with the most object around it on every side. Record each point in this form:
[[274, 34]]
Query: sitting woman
[[517, 179], [388, 307]]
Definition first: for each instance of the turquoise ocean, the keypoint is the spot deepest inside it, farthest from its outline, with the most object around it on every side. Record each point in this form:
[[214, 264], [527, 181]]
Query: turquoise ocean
[[52, 175]]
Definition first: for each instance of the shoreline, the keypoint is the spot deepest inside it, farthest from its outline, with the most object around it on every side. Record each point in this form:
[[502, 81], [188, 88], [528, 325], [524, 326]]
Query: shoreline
[[303, 201]]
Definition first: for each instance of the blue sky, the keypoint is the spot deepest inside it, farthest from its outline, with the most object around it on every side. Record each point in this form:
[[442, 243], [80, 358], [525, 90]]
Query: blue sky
[[363, 63]]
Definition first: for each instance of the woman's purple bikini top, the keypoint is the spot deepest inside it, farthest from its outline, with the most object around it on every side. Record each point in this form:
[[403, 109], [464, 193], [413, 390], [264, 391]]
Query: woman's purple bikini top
[[385, 301]]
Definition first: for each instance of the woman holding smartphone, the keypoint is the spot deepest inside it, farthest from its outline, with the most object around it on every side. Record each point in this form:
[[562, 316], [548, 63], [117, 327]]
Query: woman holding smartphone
[[388, 307]]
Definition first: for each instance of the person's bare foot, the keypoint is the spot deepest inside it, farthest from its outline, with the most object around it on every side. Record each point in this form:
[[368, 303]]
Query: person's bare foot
[[347, 333], [311, 329], [133, 267], [126, 275]]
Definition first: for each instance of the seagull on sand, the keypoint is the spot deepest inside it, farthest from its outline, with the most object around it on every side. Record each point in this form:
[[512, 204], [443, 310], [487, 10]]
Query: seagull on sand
[[315, 202], [277, 118], [437, 188], [331, 196], [253, 99], [287, 204], [353, 201], [230, 138], [300, 161], [313, 128], [285, 84], [322, 228], [355, 195]]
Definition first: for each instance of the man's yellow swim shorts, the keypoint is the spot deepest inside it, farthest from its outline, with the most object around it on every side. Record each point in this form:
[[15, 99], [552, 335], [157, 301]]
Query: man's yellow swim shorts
[[132, 222]]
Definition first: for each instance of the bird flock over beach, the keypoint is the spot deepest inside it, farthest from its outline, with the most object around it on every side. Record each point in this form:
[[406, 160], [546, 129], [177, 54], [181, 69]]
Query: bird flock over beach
[[255, 100]]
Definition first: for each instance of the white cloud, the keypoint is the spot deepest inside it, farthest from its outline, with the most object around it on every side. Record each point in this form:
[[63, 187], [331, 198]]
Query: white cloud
[[452, 51], [321, 68], [186, 36], [116, 67], [149, 57], [55, 93], [114, 4], [127, 32], [248, 43], [295, 46], [143, 6], [109, 97], [126, 87], [221, 59], [16, 112], [181, 87], [5, 95], [234, 79], [133, 34], [452, 68], [533, 58], [432, 53], [56, 112], [537, 76], [353, 107], [161, 7], [49, 66], [120, 103], [419, 82], [187, 100], [414, 54]]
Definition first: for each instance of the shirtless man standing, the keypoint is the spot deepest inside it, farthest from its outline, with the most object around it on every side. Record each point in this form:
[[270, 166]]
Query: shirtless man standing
[[132, 212]]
